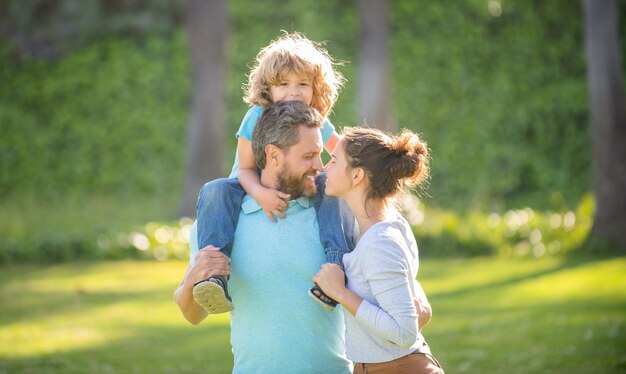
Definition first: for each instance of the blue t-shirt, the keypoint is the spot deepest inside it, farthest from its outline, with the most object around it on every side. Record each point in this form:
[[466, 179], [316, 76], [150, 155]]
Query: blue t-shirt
[[248, 124], [275, 326]]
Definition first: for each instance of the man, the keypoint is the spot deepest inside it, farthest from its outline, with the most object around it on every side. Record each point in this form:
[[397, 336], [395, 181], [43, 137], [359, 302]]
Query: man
[[275, 327]]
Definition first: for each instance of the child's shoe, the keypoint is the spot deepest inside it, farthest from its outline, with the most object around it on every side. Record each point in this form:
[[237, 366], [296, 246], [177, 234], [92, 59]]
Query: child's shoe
[[212, 295], [321, 298]]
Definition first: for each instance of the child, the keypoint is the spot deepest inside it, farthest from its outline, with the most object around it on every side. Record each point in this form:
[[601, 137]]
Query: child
[[289, 68]]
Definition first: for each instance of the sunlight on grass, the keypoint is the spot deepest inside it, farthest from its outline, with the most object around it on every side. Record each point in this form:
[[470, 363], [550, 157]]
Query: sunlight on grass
[[491, 315], [506, 315], [67, 307]]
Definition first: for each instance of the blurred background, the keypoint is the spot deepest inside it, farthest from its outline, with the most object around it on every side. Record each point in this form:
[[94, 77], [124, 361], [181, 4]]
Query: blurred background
[[114, 113]]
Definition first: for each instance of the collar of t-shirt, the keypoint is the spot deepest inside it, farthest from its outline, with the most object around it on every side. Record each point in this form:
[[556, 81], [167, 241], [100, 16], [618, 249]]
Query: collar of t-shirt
[[249, 205]]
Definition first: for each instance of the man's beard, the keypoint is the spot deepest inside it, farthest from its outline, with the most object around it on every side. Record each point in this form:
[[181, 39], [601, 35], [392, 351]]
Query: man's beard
[[295, 186]]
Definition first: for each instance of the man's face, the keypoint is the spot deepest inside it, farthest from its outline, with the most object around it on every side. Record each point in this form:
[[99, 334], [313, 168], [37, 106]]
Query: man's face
[[301, 164]]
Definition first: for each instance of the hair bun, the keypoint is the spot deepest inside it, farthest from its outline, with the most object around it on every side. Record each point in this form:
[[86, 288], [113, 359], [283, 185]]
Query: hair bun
[[411, 165], [392, 162]]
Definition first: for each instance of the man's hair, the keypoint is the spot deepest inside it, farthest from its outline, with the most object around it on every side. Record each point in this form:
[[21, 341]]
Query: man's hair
[[278, 125]]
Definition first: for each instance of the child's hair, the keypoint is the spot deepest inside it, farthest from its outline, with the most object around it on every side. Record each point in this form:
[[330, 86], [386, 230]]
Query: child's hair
[[391, 162], [294, 53]]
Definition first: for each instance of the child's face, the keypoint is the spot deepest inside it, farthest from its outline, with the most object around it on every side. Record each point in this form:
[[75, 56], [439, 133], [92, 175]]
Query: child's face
[[293, 87]]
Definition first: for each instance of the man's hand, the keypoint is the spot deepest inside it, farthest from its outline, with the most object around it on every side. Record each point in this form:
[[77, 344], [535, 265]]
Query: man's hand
[[209, 262]]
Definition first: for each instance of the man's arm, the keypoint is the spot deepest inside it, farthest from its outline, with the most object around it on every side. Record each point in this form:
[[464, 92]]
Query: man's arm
[[209, 262]]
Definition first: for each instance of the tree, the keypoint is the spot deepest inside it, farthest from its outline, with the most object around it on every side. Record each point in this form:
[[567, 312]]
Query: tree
[[208, 30], [608, 119], [374, 82]]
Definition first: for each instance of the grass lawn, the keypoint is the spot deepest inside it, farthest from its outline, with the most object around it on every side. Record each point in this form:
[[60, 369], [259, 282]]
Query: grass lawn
[[555, 315]]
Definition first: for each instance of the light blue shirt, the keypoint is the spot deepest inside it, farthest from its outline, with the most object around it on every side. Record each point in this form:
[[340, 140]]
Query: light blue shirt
[[249, 122], [275, 326]]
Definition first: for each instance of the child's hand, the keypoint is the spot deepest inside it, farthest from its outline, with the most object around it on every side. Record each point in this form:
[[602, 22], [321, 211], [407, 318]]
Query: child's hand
[[273, 203]]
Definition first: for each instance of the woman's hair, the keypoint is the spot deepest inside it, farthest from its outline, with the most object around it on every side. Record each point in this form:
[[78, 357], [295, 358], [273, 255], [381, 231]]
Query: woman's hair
[[294, 53], [391, 162]]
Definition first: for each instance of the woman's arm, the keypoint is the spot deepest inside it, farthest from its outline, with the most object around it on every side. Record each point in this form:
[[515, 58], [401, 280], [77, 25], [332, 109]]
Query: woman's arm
[[394, 315]]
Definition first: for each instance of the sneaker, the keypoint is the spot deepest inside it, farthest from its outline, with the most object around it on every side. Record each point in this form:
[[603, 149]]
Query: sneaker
[[322, 299], [212, 295]]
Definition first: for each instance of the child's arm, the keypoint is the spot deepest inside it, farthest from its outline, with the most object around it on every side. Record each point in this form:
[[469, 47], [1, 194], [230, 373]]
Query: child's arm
[[271, 200]]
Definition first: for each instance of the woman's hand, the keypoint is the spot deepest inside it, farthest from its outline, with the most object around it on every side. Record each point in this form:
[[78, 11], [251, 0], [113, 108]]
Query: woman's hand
[[424, 312], [331, 279]]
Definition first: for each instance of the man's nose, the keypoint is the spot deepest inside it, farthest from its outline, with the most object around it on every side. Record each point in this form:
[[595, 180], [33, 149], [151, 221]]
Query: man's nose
[[317, 164]]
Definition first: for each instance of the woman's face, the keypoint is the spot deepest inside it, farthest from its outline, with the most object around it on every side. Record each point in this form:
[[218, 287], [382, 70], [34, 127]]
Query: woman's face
[[338, 181]]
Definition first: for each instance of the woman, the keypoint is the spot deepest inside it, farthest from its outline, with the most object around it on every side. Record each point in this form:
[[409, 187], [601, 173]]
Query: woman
[[368, 169]]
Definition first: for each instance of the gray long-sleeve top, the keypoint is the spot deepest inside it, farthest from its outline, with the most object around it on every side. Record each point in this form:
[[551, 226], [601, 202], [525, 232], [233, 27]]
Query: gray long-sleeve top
[[382, 270]]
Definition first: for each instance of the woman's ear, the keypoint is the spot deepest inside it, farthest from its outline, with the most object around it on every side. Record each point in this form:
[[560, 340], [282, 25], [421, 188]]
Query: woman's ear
[[358, 174]]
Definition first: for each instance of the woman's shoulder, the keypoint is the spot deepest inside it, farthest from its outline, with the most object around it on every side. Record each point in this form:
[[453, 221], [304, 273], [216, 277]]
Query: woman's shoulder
[[387, 236], [393, 227]]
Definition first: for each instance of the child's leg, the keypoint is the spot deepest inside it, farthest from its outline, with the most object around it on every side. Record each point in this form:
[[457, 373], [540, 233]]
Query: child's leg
[[336, 224], [219, 202], [218, 207]]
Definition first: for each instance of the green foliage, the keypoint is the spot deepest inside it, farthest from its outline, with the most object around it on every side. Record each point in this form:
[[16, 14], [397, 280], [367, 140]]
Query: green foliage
[[81, 228], [109, 118], [513, 233], [496, 88], [501, 99], [499, 96]]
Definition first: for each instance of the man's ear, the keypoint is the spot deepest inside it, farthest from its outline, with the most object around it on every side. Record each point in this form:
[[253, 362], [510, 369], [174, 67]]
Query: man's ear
[[273, 154]]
